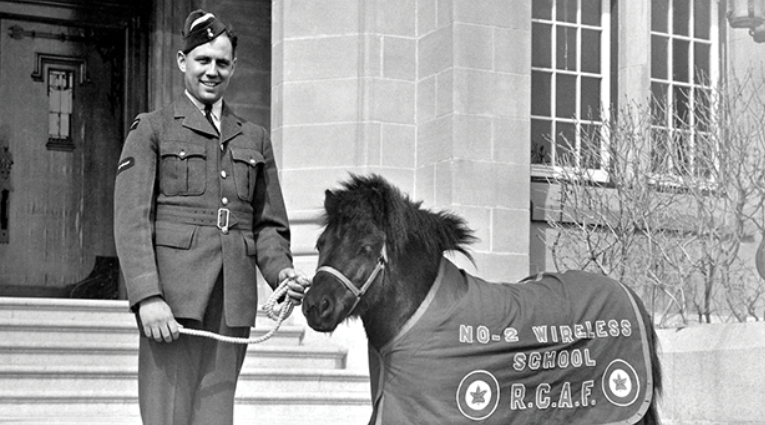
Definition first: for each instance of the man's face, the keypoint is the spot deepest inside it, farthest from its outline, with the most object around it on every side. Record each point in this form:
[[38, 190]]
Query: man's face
[[208, 69]]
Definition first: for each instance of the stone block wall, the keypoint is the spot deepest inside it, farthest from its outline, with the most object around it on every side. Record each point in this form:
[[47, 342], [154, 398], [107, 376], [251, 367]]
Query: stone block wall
[[432, 94], [473, 124]]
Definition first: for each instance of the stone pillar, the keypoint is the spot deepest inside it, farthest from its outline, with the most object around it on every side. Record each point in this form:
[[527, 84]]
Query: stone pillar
[[433, 94], [343, 96], [634, 57], [473, 119], [165, 81]]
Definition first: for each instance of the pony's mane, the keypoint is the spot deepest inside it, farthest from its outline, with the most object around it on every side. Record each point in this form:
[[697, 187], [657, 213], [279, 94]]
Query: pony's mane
[[401, 219]]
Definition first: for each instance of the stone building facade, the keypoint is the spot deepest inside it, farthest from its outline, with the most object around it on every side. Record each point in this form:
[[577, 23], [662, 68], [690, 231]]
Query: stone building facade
[[436, 95]]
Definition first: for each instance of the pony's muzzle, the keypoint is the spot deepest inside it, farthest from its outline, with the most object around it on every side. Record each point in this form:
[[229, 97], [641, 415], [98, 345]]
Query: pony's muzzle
[[319, 311]]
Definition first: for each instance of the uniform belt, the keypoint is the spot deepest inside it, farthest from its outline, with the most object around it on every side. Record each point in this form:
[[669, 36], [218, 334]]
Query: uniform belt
[[222, 218]]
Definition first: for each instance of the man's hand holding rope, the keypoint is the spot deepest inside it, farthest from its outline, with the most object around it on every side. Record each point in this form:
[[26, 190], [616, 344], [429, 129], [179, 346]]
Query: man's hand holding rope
[[297, 281], [159, 324]]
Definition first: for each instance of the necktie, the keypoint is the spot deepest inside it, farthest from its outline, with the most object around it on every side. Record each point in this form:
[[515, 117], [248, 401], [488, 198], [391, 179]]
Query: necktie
[[208, 115]]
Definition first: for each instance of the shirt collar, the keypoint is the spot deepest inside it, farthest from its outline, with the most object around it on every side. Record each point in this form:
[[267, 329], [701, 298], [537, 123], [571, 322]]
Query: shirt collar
[[217, 107]]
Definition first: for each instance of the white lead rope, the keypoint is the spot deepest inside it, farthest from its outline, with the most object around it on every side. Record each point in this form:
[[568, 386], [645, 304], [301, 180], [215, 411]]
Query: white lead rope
[[274, 312]]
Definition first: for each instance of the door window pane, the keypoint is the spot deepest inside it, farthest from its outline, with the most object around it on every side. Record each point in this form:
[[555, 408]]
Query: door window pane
[[60, 93]]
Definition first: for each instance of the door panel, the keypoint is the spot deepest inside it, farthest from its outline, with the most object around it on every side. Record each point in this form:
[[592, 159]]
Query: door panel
[[61, 204]]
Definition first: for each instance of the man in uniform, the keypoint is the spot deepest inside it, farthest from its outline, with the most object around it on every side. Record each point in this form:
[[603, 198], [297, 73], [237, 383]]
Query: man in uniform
[[198, 208]]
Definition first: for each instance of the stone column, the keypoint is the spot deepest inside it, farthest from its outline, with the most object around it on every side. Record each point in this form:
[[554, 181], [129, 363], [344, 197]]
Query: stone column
[[165, 81], [343, 98], [473, 119], [634, 60]]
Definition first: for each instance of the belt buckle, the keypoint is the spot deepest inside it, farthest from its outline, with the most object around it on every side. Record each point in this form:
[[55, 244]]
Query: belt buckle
[[223, 219]]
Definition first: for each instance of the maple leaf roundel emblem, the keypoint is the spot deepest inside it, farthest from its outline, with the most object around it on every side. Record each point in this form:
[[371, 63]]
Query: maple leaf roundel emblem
[[621, 385], [478, 395]]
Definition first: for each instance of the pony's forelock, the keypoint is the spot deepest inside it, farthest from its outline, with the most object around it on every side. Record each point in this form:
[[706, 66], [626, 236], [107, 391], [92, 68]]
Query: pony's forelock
[[401, 219]]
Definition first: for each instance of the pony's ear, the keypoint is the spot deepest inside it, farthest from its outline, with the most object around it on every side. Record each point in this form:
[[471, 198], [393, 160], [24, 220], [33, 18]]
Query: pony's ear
[[379, 204], [329, 200]]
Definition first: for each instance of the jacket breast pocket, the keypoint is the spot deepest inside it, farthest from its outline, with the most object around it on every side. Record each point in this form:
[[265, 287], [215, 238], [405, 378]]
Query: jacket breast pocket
[[246, 163], [183, 169]]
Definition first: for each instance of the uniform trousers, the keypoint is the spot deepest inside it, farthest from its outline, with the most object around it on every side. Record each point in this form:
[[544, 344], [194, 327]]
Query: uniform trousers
[[192, 380]]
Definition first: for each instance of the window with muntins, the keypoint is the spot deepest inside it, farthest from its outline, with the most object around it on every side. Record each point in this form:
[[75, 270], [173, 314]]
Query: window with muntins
[[684, 58], [569, 83], [60, 101]]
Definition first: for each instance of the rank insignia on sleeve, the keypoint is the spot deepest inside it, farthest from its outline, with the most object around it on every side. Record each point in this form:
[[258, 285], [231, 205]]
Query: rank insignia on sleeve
[[125, 164]]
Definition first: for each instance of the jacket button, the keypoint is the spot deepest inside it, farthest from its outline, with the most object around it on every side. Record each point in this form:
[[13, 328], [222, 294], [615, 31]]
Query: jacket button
[[224, 201], [252, 161], [182, 154], [223, 174]]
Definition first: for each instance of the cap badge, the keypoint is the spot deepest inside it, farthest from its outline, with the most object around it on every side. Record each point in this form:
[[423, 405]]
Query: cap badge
[[210, 33]]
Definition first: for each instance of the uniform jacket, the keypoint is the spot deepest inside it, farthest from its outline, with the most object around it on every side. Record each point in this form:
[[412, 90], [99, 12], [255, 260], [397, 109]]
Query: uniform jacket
[[568, 348], [174, 176]]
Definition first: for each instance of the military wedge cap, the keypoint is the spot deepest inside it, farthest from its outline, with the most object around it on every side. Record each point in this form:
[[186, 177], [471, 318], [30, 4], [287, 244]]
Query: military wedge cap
[[200, 28]]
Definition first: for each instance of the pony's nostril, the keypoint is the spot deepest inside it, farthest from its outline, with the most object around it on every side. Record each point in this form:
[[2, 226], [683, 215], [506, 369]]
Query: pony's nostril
[[325, 307]]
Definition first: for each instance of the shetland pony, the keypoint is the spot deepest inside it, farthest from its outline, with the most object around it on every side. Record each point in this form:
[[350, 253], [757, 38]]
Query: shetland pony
[[448, 347]]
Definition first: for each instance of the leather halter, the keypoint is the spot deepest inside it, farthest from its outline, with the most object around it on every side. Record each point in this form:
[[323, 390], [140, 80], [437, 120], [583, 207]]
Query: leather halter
[[358, 292]]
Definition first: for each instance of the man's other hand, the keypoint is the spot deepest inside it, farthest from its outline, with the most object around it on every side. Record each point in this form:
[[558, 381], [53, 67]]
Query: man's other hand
[[157, 320]]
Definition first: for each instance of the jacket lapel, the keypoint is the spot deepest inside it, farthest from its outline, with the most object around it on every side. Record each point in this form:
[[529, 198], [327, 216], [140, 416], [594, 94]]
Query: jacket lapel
[[231, 125], [192, 117]]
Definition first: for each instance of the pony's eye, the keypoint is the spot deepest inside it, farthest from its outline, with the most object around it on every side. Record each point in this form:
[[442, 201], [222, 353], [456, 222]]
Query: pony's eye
[[365, 249]]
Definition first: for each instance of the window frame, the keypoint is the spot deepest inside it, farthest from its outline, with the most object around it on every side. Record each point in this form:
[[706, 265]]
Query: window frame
[[670, 175], [605, 76]]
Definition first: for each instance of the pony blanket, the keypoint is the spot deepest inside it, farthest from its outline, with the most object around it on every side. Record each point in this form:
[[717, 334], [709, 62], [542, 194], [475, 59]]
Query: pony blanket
[[566, 348]]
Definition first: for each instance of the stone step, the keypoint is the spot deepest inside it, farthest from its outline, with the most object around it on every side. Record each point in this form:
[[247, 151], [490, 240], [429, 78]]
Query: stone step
[[73, 354], [88, 320], [284, 409], [59, 381], [47, 310], [66, 362], [57, 310], [98, 335]]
